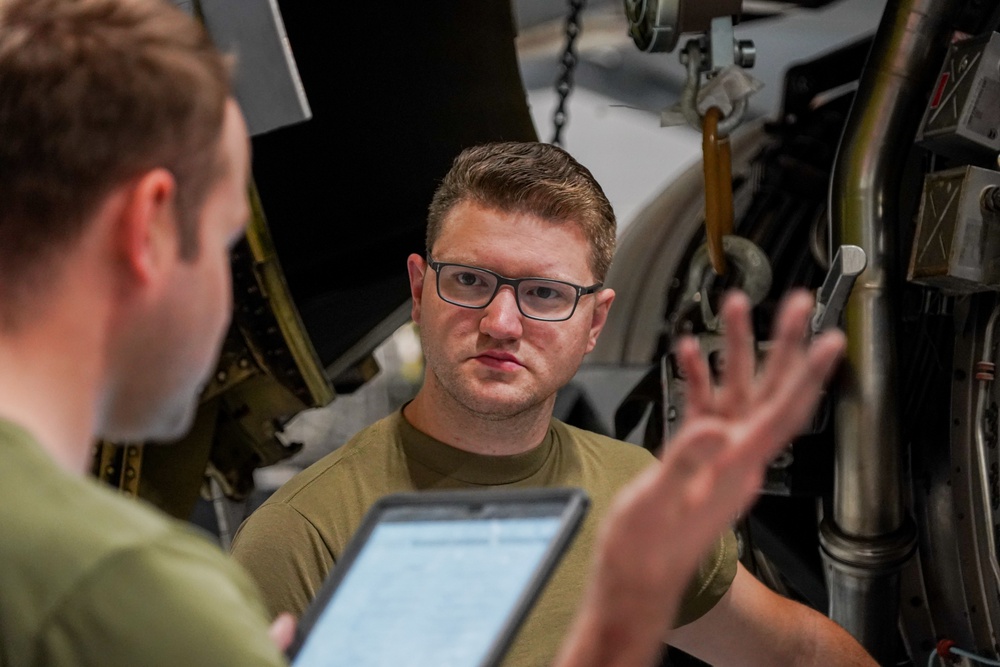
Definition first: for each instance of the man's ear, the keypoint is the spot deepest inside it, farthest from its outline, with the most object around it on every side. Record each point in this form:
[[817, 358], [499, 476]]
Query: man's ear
[[148, 236], [602, 304], [416, 267]]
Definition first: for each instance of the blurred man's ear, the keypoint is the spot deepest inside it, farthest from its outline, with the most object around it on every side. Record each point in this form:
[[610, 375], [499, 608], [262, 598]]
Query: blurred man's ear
[[147, 232]]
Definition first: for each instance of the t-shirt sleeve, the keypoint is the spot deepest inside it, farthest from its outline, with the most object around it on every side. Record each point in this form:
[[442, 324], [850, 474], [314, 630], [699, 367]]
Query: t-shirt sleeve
[[174, 601], [285, 556], [714, 577]]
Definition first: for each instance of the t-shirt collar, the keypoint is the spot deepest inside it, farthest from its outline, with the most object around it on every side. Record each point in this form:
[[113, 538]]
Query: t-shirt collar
[[470, 467]]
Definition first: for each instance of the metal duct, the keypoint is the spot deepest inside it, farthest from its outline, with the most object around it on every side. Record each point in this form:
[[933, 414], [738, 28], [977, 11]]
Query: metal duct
[[869, 537]]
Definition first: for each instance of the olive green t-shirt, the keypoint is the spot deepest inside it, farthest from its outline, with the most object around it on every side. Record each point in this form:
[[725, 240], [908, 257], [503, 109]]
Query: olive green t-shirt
[[292, 541], [90, 577]]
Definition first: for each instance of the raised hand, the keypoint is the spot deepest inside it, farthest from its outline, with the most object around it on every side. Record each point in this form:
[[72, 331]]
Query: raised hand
[[662, 523]]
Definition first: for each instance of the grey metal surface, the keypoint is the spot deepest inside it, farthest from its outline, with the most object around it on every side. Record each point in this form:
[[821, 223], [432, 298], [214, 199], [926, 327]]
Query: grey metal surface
[[266, 79]]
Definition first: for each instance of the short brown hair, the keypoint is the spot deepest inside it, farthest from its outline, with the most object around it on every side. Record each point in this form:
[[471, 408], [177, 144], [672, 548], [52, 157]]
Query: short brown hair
[[93, 93], [529, 177]]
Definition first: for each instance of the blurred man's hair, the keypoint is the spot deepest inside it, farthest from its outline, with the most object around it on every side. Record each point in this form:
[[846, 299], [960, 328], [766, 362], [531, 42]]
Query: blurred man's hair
[[92, 94]]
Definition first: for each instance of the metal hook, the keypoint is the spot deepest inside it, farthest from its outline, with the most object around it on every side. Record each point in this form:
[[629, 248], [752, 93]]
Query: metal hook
[[754, 272]]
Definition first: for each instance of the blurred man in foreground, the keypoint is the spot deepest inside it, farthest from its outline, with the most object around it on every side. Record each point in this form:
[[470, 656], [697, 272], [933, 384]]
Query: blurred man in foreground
[[124, 162]]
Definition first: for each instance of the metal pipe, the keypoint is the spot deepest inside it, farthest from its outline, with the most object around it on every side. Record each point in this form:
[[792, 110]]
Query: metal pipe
[[984, 383], [868, 538]]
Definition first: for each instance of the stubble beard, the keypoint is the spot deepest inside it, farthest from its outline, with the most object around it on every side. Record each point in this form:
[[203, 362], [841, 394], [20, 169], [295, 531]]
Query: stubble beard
[[474, 396]]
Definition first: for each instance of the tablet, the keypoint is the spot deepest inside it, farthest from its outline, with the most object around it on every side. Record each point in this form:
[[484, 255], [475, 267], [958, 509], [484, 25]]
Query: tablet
[[438, 578]]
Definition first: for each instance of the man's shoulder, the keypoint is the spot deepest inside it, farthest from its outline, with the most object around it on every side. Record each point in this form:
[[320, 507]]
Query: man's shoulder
[[73, 513], [174, 574], [78, 538], [371, 453], [100, 524], [600, 463], [323, 504], [602, 445]]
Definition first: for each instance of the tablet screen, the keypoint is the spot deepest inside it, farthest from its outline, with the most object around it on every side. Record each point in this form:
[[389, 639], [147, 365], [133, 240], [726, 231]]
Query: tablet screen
[[431, 592]]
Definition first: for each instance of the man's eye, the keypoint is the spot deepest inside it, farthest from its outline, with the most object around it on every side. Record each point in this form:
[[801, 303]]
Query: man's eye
[[550, 293], [466, 279]]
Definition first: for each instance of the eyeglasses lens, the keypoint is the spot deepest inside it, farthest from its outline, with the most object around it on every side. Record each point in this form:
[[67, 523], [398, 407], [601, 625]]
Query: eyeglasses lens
[[475, 288]]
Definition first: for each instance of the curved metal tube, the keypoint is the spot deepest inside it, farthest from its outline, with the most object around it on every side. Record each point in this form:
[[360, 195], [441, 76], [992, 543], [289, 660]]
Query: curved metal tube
[[982, 397], [910, 43], [868, 502]]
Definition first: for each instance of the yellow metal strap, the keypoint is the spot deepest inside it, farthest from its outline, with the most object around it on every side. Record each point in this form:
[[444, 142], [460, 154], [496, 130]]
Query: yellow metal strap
[[718, 188]]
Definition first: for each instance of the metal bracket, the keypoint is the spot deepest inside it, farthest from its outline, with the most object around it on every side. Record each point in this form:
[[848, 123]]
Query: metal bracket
[[656, 25], [266, 80], [845, 268]]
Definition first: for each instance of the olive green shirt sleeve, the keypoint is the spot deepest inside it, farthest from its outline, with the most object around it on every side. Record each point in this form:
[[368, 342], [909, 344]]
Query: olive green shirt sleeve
[[714, 577], [285, 556]]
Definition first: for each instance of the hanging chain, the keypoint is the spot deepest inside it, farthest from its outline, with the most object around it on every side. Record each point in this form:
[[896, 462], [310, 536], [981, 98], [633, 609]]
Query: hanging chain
[[564, 86]]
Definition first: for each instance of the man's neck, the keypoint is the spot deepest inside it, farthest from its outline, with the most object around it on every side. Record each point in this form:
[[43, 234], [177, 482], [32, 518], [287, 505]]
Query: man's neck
[[444, 419], [45, 400], [51, 378]]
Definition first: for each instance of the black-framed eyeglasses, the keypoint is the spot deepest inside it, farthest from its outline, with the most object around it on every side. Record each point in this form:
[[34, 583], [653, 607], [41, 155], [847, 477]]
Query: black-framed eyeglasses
[[537, 298]]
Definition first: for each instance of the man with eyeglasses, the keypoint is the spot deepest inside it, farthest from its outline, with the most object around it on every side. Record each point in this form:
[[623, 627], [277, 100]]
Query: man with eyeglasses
[[509, 300]]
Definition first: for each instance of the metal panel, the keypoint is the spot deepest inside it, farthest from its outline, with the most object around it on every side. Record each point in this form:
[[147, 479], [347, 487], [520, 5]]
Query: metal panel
[[267, 80], [957, 243], [962, 119]]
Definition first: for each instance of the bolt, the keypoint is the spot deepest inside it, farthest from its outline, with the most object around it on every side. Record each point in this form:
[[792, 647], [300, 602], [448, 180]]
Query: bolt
[[990, 199], [745, 53]]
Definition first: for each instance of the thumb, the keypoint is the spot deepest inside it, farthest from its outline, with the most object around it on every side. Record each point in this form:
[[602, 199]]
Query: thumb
[[282, 630]]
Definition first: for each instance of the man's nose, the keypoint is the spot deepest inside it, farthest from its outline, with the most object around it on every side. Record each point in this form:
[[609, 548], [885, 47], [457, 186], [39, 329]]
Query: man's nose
[[501, 318]]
